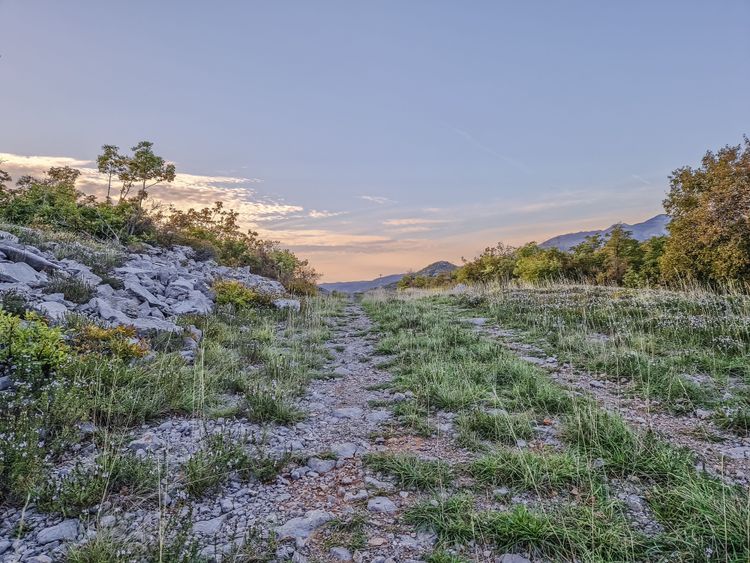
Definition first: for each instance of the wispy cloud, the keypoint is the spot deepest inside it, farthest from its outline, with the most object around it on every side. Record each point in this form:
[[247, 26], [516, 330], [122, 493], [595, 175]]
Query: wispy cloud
[[492, 152], [413, 221], [321, 214], [377, 199]]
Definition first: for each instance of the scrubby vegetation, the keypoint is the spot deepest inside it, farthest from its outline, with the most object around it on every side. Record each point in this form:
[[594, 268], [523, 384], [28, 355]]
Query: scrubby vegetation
[[53, 203], [707, 242], [81, 375]]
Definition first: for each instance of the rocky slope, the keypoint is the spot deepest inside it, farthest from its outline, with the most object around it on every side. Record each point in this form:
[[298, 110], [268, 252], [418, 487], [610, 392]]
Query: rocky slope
[[148, 291]]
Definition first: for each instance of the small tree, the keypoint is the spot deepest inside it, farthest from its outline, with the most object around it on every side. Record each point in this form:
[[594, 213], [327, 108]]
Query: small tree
[[111, 163], [709, 229], [147, 169], [620, 252], [4, 178]]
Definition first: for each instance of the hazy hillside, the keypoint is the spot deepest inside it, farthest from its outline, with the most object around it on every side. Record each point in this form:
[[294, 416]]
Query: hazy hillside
[[654, 227], [358, 286]]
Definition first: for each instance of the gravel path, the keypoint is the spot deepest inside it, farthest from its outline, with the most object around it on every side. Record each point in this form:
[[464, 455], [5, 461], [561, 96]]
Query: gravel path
[[326, 481]]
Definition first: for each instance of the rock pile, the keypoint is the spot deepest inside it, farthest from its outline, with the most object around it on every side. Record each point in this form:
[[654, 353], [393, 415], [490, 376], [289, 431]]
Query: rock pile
[[151, 288]]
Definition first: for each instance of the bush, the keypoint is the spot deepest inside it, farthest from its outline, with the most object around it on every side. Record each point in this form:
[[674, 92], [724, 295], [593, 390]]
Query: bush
[[29, 349], [232, 292], [120, 341]]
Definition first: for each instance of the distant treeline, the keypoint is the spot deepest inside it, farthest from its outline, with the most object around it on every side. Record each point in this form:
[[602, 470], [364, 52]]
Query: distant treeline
[[708, 241], [53, 202]]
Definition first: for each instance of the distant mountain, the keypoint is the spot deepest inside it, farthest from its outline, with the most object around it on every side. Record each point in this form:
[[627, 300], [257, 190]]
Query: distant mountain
[[654, 227], [433, 269]]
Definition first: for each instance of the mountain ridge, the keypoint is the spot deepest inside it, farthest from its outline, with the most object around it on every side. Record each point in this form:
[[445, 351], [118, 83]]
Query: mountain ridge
[[430, 270], [653, 227]]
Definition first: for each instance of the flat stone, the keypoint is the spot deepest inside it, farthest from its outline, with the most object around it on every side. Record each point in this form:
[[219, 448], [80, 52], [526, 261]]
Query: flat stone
[[340, 554], [381, 504], [4, 544], [5, 383], [65, 530], [53, 310], [18, 253], [740, 452], [20, 272], [379, 416], [193, 302], [143, 294], [209, 527], [345, 450], [321, 466], [303, 526], [511, 558], [348, 412]]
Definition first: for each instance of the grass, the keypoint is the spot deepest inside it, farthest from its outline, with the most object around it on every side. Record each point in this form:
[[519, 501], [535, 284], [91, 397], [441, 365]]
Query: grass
[[85, 487], [104, 377], [585, 533], [73, 289], [501, 427], [600, 435], [570, 487], [346, 531], [547, 471], [684, 348], [411, 471]]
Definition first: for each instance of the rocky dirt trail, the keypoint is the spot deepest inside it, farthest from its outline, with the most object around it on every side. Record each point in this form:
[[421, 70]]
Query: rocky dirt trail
[[326, 484], [719, 452]]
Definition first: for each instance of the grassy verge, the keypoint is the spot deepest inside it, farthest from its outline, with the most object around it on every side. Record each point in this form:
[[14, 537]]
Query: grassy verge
[[571, 509]]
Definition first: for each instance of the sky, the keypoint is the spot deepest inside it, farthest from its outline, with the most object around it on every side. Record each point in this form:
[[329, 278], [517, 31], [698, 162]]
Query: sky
[[378, 137]]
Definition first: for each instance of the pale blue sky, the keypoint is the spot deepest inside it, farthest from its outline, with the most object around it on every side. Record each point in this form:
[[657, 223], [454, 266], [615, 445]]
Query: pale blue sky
[[462, 123]]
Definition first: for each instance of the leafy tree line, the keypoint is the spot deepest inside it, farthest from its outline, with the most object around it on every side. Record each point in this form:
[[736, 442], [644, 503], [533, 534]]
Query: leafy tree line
[[708, 241], [54, 202]]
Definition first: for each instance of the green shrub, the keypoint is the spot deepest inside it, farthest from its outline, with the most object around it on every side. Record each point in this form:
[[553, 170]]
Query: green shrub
[[29, 349], [232, 292]]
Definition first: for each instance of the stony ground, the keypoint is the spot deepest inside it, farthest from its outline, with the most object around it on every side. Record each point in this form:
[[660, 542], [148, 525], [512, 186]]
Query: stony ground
[[327, 484]]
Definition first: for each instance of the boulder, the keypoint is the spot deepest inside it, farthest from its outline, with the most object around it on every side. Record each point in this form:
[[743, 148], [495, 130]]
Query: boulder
[[194, 302], [19, 253], [20, 272], [209, 527], [321, 466]]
